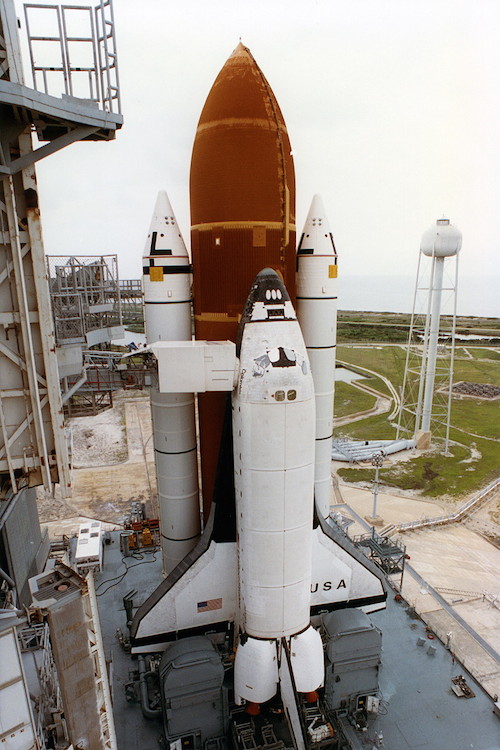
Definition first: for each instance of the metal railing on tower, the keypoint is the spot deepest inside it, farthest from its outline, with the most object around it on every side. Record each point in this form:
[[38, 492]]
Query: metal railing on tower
[[73, 51]]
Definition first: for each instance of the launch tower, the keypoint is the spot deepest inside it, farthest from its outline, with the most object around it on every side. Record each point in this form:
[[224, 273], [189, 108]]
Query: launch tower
[[74, 96]]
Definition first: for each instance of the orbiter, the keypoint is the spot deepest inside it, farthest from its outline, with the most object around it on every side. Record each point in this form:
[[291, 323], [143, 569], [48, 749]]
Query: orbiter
[[268, 561]]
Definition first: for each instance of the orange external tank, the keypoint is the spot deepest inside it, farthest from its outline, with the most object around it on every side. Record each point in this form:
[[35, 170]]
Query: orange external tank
[[242, 192]]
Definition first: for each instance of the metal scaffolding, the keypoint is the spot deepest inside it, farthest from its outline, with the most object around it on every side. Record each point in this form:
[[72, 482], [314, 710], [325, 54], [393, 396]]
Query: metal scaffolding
[[78, 49], [131, 299], [388, 555], [85, 297], [33, 448]]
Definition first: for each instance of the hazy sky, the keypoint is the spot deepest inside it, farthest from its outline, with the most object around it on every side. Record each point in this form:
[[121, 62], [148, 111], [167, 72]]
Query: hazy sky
[[392, 109]]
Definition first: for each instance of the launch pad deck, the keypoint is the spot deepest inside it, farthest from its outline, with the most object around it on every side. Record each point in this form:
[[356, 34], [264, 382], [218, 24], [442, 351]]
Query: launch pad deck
[[419, 710]]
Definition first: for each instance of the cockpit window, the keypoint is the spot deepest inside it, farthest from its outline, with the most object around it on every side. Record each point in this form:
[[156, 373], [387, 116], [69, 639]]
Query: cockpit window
[[273, 294]]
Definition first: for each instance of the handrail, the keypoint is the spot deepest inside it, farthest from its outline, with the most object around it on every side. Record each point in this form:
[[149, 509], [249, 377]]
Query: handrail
[[457, 515]]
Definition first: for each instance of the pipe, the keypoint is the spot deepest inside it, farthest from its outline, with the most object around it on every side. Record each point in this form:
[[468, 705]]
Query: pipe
[[7, 578], [147, 711]]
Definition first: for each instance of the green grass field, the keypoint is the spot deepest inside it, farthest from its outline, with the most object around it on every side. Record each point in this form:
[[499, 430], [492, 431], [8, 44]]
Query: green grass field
[[477, 416], [435, 474], [476, 371], [390, 361], [371, 428], [349, 400], [484, 353], [474, 462], [387, 360], [389, 327]]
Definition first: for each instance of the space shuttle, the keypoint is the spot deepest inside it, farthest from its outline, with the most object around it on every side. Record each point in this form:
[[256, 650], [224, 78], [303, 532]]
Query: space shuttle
[[261, 367]]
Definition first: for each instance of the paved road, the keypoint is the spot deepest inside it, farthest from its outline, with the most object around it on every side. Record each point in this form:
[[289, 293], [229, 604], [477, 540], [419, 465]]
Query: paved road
[[392, 389]]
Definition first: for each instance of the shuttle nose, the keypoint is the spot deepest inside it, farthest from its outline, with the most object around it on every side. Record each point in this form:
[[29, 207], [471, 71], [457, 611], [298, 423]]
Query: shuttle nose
[[268, 290], [268, 300]]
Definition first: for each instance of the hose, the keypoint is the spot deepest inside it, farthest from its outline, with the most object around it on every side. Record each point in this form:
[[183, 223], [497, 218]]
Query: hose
[[147, 711]]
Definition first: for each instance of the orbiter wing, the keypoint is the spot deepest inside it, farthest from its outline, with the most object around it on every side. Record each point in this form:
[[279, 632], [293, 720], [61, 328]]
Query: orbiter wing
[[202, 591], [342, 576]]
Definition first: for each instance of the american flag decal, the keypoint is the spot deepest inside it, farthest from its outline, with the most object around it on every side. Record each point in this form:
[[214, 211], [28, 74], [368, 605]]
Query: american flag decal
[[209, 605]]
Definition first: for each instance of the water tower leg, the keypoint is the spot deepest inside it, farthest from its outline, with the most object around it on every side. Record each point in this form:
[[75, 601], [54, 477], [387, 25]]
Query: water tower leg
[[437, 286]]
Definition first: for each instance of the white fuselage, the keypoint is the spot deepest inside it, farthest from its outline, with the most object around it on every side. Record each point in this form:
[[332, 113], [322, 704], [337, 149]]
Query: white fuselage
[[273, 439], [273, 431]]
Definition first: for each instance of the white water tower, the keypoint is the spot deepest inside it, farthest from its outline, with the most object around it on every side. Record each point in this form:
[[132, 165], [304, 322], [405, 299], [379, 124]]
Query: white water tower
[[440, 244]]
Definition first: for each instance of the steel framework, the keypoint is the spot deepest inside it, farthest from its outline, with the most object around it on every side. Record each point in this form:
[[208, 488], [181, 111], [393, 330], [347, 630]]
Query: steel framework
[[85, 297], [428, 378], [33, 448], [83, 63]]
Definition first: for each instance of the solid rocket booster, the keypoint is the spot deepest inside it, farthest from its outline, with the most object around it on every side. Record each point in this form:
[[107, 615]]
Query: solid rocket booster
[[317, 314], [242, 191], [273, 439], [167, 317]]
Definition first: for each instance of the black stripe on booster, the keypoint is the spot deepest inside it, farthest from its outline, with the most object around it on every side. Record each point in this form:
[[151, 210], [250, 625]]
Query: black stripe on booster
[[187, 539], [332, 346], [159, 251], [153, 242], [169, 269], [174, 453]]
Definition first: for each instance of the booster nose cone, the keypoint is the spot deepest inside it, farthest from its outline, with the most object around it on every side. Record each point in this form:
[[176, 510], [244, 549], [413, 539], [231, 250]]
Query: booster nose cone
[[166, 277], [316, 238], [164, 236]]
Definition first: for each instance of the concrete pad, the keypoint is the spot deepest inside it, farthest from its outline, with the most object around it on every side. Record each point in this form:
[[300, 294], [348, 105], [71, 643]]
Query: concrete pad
[[105, 491], [392, 508], [456, 559], [467, 651]]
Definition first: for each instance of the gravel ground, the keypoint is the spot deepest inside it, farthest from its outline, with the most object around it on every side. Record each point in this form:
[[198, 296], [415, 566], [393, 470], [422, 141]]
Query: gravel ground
[[99, 440], [113, 465]]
